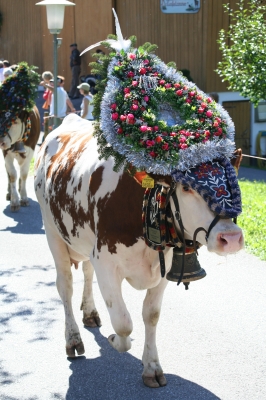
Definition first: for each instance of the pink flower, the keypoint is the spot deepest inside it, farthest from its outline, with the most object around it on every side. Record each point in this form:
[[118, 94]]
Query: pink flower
[[200, 110], [173, 134], [161, 82], [156, 128], [179, 92], [218, 119], [191, 94], [130, 116], [142, 71], [135, 83], [215, 124], [184, 146], [182, 139], [127, 95], [143, 128], [155, 73], [131, 56], [130, 74], [188, 101], [115, 116], [158, 139], [165, 146], [126, 90], [146, 62], [123, 117], [207, 133], [209, 113], [149, 129], [199, 97], [146, 98], [209, 100], [177, 85], [203, 105], [168, 85], [131, 121], [113, 106], [134, 107], [150, 143]]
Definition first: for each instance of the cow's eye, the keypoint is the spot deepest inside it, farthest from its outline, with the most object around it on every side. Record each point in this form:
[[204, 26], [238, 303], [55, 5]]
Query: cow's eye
[[185, 188]]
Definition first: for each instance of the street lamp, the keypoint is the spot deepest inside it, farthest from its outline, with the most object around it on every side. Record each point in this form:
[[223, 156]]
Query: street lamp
[[55, 10]]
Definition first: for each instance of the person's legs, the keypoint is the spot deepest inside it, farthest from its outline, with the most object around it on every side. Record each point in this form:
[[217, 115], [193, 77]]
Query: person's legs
[[74, 91]]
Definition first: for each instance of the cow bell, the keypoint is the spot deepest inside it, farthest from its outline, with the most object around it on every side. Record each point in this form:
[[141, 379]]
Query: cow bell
[[192, 268], [18, 147]]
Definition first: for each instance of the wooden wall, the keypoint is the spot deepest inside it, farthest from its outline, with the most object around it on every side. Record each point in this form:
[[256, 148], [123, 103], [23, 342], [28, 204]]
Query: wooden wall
[[188, 39]]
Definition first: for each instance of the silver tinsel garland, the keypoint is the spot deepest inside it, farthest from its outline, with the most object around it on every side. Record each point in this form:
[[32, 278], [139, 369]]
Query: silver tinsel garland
[[190, 157]]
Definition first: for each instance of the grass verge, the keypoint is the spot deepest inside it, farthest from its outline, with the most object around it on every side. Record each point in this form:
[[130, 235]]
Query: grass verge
[[253, 217]]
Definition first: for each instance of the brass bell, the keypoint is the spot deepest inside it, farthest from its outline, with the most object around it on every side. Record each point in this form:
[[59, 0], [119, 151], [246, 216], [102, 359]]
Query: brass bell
[[18, 147], [192, 268]]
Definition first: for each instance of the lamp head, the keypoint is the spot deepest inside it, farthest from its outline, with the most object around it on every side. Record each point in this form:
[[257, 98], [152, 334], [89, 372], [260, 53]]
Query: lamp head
[[55, 10]]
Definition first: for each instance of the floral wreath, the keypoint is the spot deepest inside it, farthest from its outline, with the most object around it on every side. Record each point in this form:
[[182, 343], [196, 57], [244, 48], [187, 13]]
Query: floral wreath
[[18, 92], [152, 117]]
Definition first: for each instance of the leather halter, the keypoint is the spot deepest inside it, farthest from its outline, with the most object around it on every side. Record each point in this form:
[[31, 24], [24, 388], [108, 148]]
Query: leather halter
[[187, 243]]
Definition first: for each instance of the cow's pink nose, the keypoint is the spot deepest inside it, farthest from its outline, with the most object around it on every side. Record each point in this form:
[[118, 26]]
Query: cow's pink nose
[[230, 242]]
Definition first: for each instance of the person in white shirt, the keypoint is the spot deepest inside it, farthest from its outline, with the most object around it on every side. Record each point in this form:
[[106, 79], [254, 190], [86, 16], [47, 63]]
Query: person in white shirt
[[87, 102], [62, 98]]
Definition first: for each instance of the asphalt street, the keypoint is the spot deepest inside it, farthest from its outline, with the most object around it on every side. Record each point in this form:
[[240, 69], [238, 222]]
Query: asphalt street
[[211, 339]]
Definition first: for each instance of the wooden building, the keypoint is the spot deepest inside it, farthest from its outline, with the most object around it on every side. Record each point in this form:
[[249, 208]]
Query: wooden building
[[188, 39]]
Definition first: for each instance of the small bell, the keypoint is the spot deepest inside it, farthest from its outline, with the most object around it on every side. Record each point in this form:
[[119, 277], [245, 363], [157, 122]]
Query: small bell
[[192, 268], [18, 147]]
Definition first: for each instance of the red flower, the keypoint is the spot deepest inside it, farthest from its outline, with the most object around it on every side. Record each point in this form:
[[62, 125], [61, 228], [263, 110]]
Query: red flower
[[119, 131], [221, 191], [134, 107], [203, 105], [142, 71], [177, 85], [126, 90], [143, 128], [173, 134], [152, 154], [156, 128], [158, 139], [188, 101], [168, 85], [209, 113], [113, 106], [150, 143], [123, 117], [130, 116], [165, 146], [146, 62], [179, 92], [115, 116], [200, 110], [161, 82], [183, 146], [146, 98], [191, 94], [130, 74]]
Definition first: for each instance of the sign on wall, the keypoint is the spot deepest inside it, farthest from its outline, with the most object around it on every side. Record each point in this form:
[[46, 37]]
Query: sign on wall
[[179, 6]]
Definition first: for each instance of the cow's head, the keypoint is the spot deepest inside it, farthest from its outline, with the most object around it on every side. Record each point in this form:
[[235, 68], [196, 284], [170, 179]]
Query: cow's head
[[12, 129], [208, 198]]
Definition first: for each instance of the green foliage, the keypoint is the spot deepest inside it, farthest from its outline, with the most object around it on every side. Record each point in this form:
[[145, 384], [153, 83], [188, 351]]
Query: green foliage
[[243, 48], [253, 218]]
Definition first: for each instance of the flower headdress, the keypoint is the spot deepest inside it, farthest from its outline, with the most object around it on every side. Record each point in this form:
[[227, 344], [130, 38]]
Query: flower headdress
[[152, 117], [18, 92]]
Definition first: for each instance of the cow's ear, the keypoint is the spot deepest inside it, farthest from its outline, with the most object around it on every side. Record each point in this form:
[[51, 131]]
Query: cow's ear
[[236, 159]]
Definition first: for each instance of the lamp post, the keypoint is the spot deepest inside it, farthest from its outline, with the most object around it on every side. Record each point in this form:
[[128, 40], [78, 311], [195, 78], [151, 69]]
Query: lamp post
[[55, 10]]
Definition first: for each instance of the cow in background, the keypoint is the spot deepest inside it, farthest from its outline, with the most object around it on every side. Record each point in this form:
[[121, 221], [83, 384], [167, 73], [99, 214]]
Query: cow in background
[[18, 197], [93, 215]]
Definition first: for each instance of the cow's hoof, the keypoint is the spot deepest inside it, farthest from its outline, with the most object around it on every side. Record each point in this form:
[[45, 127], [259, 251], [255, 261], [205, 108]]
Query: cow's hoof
[[24, 203], [14, 207], [92, 322], [79, 348], [8, 197], [154, 381], [120, 343]]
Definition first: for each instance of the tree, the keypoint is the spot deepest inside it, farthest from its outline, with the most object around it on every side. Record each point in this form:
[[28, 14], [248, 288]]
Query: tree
[[243, 49]]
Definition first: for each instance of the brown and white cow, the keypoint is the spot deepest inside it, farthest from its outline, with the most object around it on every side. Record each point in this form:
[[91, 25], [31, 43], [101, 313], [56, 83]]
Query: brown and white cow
[[93, 214], [7, 142]]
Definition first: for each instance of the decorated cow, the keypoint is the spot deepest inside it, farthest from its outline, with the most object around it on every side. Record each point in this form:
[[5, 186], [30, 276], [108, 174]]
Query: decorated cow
[[136, 194], [19, 129]]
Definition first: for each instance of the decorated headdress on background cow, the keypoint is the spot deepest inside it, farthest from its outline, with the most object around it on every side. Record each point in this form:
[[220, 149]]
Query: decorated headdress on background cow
[[18, 92], [153, 119]]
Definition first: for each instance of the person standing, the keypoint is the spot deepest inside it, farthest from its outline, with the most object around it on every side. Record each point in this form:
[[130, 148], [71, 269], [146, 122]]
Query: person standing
[[87, 102], [75, 63]]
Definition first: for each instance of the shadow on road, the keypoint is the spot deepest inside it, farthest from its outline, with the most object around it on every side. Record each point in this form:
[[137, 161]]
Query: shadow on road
[[29, 219], [114, 376]]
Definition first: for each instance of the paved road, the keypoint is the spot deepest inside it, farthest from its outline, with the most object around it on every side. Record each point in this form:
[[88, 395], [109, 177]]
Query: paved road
[[211, 339]]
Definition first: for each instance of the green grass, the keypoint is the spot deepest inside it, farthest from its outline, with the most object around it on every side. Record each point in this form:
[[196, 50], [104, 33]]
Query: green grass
[[253, 217], [31, 171]]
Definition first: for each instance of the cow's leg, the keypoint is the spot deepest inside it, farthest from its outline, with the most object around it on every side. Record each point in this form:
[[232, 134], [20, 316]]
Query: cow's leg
[[110, 285], [12, 179], [152, 373], [64, 283], [90, 314], [24, 170]]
